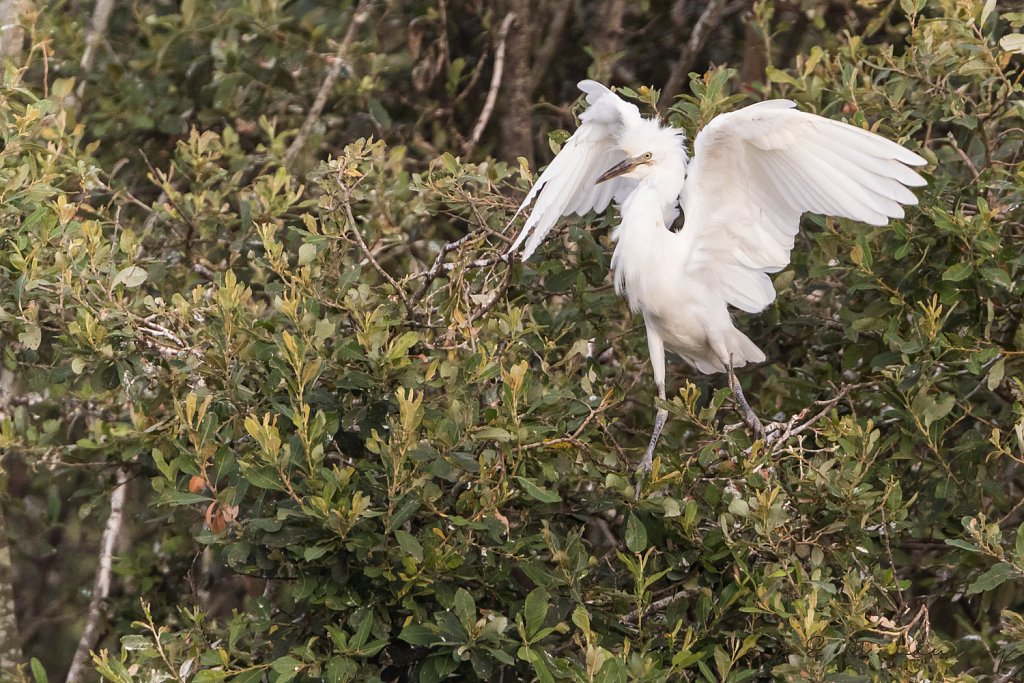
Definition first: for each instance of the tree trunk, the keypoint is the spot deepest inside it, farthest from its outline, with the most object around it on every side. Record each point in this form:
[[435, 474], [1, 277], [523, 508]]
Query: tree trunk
[[517, 117]]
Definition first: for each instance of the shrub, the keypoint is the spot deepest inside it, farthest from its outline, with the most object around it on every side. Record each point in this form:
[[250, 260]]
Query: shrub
[[360, 445]]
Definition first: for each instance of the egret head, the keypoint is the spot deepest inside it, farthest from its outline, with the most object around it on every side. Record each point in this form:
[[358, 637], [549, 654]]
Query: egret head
[[650, 149]]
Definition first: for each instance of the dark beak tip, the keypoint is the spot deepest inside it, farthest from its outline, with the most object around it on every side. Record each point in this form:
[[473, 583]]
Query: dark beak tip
[[616, 170]]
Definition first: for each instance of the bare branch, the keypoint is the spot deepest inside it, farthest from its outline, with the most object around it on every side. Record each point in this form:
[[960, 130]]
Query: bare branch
[[492, 92], [439, 264], [656, 606], [963, 155], [709, 20], [101, 588], [359, 17], [783, 431], [100, 19], [572, 438], [369, 254]]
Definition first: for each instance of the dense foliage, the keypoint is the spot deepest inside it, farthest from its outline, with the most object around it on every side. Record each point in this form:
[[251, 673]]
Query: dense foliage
[[360, 445]]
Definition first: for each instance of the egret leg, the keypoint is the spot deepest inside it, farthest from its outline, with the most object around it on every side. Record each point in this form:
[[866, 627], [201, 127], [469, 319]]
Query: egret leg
[[749, 416], [657, 350], [660, 418]]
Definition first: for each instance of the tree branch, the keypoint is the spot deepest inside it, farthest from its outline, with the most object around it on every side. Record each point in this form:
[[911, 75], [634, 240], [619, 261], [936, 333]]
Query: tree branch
[[100, 20], [101, 587], [366, 250], [492, 92], [709, 20], [359, 17]]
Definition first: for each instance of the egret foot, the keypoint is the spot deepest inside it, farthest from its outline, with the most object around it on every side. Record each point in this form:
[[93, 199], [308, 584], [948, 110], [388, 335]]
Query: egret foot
[[647, 463], [749, 416]]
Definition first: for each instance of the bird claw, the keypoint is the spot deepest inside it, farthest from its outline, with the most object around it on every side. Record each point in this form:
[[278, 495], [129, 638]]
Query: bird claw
[[753, 422], [641, 474], [644, 469]]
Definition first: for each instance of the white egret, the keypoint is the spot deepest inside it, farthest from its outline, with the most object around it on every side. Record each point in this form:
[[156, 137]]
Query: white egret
[[754, 172]]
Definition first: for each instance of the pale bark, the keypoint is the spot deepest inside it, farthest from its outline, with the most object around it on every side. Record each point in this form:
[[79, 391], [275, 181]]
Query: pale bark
[[359, 17], [104, 573], [12, 35]]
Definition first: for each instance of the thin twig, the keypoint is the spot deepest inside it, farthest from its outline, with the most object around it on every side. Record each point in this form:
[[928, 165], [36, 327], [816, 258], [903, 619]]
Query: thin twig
[[101, 588], [963, 156], [786, 430], [439, 264], [492, 92], [571, 438], [100, 19], [367, 253], [359, 17], [656, 606], [486, 308]]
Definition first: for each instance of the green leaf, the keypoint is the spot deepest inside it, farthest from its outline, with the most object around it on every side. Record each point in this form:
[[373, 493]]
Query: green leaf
[[135, 642], [340, 669], [415, 634], [993, 578], [38, 672], [492, 434], [723, 663], [1013, 42], [409, 544], [636, 534], [130, 277], [535, 610], [739, 507], [997, 276], [287, 668], [363, 630], [307, 252], [252, 676], [958, 272], [31, 337], [581, 618], [938, 408], [535, 657], [996, 374], [465, 609], [538, 493]]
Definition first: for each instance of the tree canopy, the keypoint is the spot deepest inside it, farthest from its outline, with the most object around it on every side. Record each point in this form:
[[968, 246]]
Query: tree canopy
[[273, 407]]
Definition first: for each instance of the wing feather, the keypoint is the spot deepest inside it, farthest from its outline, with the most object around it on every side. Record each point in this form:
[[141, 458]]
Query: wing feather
[[568, 185], [757, 170]]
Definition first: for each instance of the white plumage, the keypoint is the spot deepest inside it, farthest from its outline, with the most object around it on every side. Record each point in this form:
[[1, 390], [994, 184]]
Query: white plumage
[[755, 171]]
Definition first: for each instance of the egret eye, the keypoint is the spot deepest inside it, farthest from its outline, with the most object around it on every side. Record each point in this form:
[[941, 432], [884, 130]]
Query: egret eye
[[647, 156]]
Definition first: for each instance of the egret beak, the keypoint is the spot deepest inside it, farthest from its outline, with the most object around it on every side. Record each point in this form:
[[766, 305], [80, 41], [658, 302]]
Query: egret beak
[[622, 168]]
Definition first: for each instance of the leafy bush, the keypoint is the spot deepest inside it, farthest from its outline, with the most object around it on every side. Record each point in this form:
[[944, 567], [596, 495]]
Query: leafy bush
[[360, 445]]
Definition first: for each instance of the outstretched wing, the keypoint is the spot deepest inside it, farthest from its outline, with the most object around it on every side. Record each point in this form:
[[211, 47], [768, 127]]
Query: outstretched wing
[[756, 170], [568, 184]]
